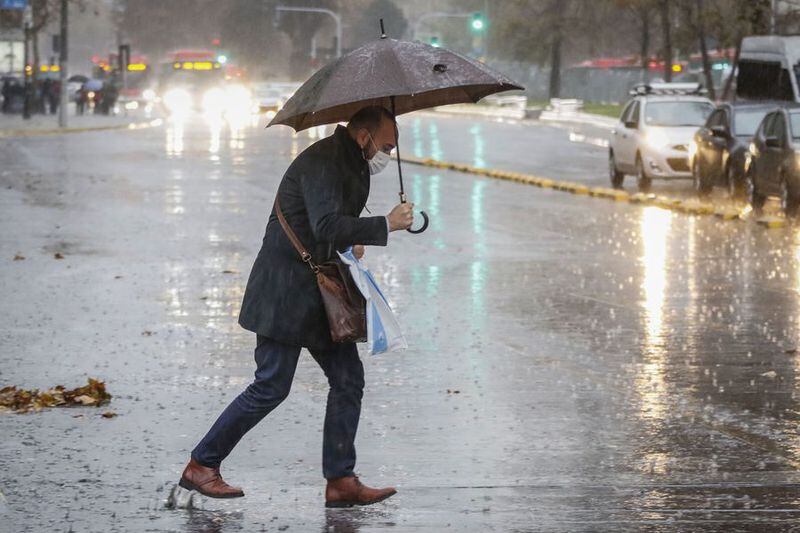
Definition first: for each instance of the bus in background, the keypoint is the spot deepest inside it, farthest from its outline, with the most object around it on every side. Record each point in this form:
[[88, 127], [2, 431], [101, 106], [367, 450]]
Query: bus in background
[[195, 79]]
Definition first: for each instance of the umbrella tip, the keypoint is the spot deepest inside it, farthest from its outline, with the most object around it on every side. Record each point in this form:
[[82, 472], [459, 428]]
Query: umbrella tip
[[383, 32]]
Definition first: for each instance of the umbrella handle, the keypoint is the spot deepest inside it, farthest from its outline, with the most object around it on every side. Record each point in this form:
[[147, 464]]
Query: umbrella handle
[[425, 221]]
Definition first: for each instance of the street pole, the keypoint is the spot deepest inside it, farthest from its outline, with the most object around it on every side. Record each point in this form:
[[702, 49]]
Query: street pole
[[27, 17], [62, 63], [772, 18], [336, 18]]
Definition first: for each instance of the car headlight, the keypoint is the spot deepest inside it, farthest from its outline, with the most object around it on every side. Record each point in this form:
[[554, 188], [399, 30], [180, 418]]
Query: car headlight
[[178, 100], [692, 150], [149, 95], [657, 138], [752, 149], [239, 100], [214, 100]]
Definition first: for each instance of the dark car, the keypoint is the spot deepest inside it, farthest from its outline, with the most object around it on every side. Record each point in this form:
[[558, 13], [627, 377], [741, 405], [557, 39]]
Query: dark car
[[720, 146], [773, 168]]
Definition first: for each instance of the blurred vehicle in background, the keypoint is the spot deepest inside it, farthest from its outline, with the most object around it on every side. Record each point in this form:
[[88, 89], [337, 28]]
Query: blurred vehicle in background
[[270, 96], [193, 80], [654, 131], [768, 68], [718, 152], [773, 160]]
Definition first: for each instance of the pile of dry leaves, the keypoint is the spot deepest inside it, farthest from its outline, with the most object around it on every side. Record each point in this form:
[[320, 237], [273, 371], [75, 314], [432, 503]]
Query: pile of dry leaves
[[22, 401]]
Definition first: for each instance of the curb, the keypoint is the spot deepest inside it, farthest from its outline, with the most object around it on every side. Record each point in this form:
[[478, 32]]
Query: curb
[[690, 206], [57, 131]]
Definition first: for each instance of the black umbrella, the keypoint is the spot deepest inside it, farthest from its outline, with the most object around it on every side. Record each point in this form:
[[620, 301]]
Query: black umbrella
[[399, 75]]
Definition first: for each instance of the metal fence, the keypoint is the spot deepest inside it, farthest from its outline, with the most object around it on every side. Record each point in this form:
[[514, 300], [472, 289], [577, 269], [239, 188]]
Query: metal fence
[[590, 85]]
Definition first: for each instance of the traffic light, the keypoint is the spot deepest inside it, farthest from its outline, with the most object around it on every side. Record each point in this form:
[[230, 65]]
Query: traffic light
[[435, 42], [477, 21]]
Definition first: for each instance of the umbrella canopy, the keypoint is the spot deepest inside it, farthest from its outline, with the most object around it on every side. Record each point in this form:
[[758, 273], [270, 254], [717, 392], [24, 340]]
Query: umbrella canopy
[[80, 78], [417, 75], [93, 84]]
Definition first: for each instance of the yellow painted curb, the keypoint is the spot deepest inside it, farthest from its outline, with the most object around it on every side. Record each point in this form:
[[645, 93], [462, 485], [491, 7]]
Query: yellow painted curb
[[690, 206], [57, 131], [772, 222], [727, 214]]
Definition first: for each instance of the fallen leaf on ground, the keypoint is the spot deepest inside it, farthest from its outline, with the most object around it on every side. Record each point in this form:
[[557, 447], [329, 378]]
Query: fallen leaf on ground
[[85, 399], [229, 272], [22, 401], [58, 255], [771, 374], [109, 414], [147, 333], [18, 257]]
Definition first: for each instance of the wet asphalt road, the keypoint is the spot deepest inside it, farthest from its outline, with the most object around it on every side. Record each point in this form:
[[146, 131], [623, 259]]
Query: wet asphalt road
[[575, 364]]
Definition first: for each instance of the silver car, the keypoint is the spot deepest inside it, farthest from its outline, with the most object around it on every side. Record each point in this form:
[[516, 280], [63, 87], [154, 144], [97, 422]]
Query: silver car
[[655, 129]]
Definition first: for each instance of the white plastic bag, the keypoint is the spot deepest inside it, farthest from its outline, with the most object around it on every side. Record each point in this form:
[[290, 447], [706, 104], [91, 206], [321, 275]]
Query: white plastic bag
[[383, 331]]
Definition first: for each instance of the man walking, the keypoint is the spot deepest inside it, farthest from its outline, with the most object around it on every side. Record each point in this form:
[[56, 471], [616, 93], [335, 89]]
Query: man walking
[[321, 195]]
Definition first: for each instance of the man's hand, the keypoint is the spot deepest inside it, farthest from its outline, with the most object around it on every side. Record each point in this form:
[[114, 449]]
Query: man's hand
[[401, 217], [358, 251]]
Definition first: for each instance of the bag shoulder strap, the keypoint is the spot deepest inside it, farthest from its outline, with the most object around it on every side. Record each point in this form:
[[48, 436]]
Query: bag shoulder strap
[[304, 255]]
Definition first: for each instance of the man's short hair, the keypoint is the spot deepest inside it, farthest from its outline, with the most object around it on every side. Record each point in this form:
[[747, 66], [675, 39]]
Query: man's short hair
[[369, 118]]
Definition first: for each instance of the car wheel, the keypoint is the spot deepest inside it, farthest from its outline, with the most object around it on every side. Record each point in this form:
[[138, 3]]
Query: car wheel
[[755, 198], [789, 200], [736, 187], [643, 181], [615, 175], [701, 187]]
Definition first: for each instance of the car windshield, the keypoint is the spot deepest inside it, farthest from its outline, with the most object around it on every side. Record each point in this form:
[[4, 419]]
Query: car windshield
[[745, 122], [677, 113], [794, 121]]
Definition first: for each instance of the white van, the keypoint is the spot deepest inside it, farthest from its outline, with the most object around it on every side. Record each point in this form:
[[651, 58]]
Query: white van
[[768, 68]]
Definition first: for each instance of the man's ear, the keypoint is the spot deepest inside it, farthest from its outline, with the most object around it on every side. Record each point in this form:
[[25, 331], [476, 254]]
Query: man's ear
[[362, 138]]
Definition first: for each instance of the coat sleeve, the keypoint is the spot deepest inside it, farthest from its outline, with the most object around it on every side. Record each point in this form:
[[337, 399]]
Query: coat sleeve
[[323, 196]]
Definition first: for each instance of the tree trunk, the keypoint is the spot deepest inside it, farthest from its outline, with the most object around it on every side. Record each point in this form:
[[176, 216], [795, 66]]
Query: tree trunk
[[701, 34], [645, 44], [555, 66], [35, 43], [666, 28], [726, 92]]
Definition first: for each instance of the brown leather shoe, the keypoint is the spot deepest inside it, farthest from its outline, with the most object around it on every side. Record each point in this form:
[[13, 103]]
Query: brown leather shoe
[[207, 481], [349, 491]]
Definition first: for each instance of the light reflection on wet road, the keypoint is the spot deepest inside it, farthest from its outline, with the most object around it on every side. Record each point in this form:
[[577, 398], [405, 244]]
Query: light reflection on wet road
[[615, 366]]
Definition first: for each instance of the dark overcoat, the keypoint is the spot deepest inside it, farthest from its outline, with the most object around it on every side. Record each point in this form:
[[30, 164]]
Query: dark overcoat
[[322, 195]]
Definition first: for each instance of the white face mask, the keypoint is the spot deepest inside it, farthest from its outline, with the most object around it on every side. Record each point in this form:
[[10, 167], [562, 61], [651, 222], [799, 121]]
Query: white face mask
[[379, 160]]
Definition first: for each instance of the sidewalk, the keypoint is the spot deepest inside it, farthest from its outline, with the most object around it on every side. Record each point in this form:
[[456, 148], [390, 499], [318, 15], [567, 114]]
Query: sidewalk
[[16, 126]]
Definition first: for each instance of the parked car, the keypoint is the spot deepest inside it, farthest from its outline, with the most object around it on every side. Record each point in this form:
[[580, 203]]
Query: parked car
[[773, 160], [717, 153], [654, 132]]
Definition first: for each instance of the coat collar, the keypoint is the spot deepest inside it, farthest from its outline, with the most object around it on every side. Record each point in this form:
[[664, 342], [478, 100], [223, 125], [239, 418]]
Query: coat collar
[[354, 153]]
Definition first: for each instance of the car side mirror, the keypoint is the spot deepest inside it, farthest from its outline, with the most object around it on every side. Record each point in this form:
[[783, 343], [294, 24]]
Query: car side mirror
[[772, 142], [719, 131], [631, 125]]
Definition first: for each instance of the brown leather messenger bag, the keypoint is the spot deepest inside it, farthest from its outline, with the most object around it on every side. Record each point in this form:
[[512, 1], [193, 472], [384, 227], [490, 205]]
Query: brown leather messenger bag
[[343, 301]]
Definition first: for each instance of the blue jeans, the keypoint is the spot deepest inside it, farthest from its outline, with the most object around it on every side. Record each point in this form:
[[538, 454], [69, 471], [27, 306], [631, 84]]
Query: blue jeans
[[276, 363]]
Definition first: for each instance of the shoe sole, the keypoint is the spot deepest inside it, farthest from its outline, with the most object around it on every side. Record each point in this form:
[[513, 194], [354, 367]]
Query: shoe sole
[[188, 485], [346, 504]]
